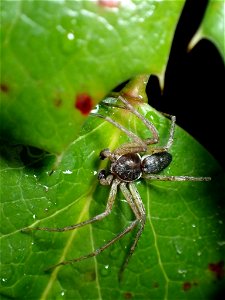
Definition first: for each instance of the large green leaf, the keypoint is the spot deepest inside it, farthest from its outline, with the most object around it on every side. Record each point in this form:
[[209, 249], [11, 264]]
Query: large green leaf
[[55, 53], [179, 256]]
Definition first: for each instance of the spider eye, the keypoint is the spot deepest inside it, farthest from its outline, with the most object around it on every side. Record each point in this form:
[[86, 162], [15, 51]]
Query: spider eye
[[155, 163], [102, 174]]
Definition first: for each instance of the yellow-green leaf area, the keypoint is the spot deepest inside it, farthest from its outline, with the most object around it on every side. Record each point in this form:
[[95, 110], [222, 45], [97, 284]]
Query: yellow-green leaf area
[[54, 51]]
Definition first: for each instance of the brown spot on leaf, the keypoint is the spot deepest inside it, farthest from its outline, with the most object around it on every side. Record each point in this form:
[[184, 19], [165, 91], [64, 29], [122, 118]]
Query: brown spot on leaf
[[155, 285], [109, 3], [58, 102], [4, 88], [83, 103], [217, 269], [90, 276], [127, 295], [186, 286], [195, 283]]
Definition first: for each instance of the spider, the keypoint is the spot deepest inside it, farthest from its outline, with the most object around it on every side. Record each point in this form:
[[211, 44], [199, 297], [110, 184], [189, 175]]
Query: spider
[[129, 162]]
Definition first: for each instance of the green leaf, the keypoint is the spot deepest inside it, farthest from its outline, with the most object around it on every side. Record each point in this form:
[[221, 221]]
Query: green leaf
[[212, 26], [57, 52], [180, 254]]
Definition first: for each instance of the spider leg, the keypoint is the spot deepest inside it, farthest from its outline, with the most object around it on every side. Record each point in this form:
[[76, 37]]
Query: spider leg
[[171, 136], [109, 205], [148, 124], [134, 200], [138, 145], [175, 178], [99, 250]]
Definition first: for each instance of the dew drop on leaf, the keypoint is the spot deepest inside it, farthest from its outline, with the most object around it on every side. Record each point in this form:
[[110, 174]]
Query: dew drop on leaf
[[67, 172], [68, 42], [182, 272], [62, 293], [105, 271]]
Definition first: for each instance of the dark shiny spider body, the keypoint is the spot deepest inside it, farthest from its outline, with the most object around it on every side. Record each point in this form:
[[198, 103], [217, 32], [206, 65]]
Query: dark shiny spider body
[[130, 167], [129, 163]]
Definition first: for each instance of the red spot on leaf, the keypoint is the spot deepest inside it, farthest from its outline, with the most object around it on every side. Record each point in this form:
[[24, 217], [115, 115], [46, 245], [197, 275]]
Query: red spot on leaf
[[83, 103], [109, 3], [217, 269], [4, 88], [186, 286]]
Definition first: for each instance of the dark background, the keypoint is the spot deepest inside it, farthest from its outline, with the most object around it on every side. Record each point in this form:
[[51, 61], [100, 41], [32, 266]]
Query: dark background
[[194, 84]]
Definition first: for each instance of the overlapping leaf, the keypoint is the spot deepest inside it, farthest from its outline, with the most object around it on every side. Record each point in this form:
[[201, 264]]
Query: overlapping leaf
[[56, 53]]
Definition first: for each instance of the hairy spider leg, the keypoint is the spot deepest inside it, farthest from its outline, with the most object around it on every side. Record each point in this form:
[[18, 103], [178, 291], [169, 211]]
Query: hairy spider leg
[[170, 139], [139, 213], [137, 144], [99, 250], [133, 198], [175, 178], [148, 124], [109, 205]]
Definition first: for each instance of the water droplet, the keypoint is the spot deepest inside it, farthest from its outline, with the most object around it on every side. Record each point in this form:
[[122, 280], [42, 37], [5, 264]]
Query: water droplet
[[4, 279], [193, 225], [70, 36], [67, 172], [105, 271], [68, 42], [183, 272], [34, 217], [46, 188], [178, 249], [199, 253], [63, 293]]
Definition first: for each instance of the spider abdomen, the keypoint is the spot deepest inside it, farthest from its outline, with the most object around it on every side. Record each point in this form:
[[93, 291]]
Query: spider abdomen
[[127, 167], [153, 164]]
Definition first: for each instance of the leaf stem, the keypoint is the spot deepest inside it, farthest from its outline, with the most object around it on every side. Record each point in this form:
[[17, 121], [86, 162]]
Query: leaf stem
[[136, 87]]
